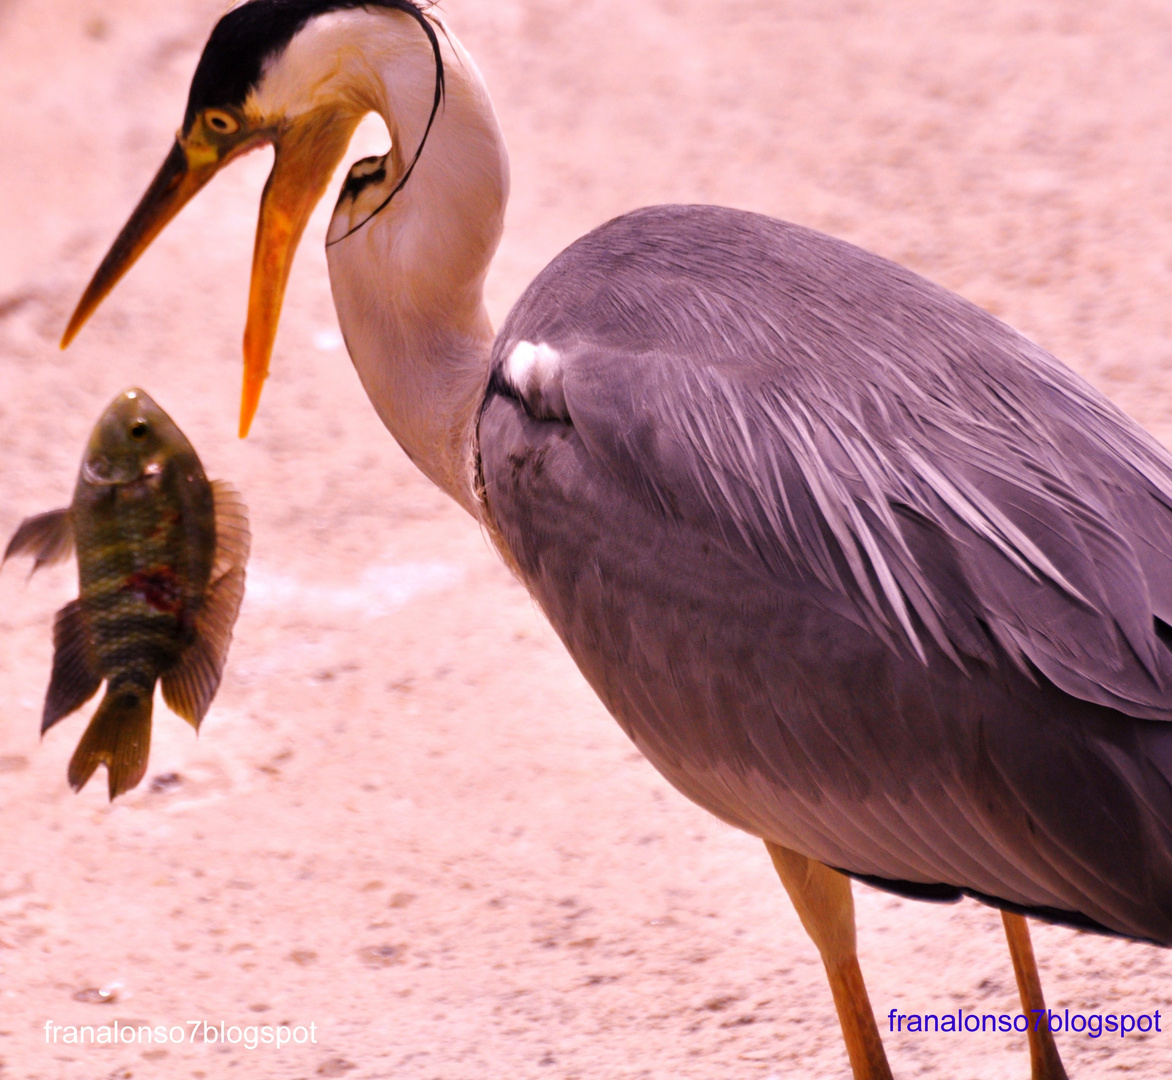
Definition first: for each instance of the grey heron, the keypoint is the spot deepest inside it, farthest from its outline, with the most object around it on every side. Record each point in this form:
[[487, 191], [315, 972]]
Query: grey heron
[[858, 568]]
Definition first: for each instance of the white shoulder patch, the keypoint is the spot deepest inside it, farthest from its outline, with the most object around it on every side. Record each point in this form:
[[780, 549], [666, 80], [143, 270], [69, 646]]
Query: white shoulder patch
[[535, 372]]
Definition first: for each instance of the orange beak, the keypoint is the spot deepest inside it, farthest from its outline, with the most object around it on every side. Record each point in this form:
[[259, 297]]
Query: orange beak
[[306, 154], [305, 160], [173, 186]]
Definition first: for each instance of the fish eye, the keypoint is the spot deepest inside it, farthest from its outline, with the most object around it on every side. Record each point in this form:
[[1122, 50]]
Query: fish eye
[[139, 429], [223, 122]]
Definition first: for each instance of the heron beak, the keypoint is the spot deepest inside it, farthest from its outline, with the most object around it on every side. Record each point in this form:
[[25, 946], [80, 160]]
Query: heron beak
[[307, 151], [306, 155], [173, 186]]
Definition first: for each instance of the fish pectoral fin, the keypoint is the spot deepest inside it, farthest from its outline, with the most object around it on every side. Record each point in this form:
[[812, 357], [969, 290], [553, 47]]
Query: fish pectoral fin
[[188, 687], [119, 737], [47, 537], [74, 681], [233, 538]]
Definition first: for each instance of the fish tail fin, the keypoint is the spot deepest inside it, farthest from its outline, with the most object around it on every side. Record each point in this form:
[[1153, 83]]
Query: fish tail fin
[[119, 737]]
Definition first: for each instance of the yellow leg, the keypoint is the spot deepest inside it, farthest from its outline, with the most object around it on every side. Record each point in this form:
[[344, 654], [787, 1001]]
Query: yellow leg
[[824, 903], [1045, 1064]]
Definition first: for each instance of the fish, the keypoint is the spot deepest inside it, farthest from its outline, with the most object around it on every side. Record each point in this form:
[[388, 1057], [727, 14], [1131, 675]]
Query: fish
[[161, 555]]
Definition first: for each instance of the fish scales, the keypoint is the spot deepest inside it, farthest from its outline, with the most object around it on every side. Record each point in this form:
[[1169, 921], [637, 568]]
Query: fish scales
[[143, 565], [161, 555]]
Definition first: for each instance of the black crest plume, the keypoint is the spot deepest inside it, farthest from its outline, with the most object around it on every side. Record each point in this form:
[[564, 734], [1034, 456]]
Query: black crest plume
[[249, 35]]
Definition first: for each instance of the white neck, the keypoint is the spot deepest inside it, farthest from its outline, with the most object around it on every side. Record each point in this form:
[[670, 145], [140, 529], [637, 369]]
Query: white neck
[[408, 285]]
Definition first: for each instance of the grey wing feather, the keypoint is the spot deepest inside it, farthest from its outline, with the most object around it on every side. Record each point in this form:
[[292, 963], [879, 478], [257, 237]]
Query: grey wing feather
[[858, 568], [831, 398]]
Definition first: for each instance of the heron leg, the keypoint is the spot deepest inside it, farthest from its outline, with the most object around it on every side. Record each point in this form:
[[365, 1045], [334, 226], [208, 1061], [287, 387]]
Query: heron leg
[[824, 903], [1045, 1064]]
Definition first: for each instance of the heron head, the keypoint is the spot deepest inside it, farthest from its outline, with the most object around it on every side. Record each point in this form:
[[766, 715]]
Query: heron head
[[279, 72]]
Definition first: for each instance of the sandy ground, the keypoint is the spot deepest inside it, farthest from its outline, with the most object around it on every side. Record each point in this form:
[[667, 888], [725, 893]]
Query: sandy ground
[[407, 821]]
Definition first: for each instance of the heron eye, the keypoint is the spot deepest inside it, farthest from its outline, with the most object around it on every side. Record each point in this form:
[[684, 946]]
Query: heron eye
[[139, 429], [224, 123]]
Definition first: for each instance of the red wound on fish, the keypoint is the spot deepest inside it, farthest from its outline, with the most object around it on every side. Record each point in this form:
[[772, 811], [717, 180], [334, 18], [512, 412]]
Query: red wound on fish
[[159, 586]]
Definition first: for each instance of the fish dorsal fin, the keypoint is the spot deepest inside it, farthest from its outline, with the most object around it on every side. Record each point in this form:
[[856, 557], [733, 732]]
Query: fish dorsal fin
[[188, 688], [47, 537], [74, 680], [233, 538]]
